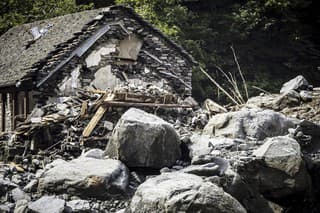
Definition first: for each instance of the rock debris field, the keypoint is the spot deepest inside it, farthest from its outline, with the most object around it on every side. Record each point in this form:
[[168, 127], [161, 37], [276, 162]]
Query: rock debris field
[[261, 157]]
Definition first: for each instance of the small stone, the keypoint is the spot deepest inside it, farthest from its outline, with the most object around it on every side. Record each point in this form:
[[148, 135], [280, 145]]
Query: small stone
[[39, 173], [94, 153], [108, 125], [78, 206], [21, 206], [165, 170], [176, 167], [96, 206], [306, 95], [35, 162], [6, 207], [31, 186], [16, 179], [243, 147], [296, 83]]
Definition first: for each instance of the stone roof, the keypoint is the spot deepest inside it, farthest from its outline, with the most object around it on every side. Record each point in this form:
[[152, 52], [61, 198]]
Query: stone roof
[[18, 57]]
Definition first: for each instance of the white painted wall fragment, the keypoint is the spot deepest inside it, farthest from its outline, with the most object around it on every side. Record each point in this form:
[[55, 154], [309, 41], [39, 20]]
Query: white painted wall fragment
[[69, 84], [105, 79], [94, 57], [130, 47]]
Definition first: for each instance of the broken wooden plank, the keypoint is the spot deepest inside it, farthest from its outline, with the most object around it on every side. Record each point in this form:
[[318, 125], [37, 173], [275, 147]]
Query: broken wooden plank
[[97, 117], [97, 91], [132, 97], [84, 109], [136, 104]]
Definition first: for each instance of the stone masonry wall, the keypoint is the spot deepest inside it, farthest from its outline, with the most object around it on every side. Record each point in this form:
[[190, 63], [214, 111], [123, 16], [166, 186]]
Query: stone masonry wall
[[158, 63]]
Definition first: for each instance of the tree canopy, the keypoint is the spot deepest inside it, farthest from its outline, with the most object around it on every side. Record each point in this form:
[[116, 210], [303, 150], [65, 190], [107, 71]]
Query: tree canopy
[[16, 12]]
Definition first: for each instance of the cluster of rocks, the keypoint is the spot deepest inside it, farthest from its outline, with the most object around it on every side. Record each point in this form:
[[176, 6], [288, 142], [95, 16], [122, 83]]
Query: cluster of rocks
[[249, 160], [297, 99]]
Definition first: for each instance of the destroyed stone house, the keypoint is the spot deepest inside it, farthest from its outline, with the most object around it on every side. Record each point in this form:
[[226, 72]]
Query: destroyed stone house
[[99, 49]]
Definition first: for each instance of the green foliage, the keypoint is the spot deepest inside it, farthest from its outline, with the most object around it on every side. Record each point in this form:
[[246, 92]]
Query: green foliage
[[166, 15], [265, 14], [16, 12]]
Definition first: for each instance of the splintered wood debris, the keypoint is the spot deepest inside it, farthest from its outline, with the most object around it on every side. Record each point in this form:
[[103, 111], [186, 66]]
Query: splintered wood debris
[[86, 117]]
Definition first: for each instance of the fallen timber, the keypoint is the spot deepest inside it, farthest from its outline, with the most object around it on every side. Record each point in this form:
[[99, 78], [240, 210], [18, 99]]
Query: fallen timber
[[90, 107], [122, 99]]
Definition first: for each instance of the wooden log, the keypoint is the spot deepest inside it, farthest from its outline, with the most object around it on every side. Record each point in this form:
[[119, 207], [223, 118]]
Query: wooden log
[[26, 104], [97, 117], [3, 112], [84, 109]]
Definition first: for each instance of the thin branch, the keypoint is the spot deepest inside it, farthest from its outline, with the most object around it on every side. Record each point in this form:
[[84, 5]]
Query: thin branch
[[233, 79], [235, 90], [239, 69], [260, 89], [217, 85]]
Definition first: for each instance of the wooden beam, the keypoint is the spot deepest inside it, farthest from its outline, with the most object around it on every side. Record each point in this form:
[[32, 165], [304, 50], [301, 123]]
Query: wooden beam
[[13, 110], [132, 97], [26, 104], [84, 109], [97, 117], [133, 104], [3, 112]]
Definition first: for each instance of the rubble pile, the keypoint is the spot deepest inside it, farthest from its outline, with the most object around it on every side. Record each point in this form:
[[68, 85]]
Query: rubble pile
[[145, 150], [297, 99]]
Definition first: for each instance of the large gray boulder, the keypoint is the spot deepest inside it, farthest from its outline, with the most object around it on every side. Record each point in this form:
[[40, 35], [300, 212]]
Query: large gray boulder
[[296, 83], [282, 153], [245, 193], [47, 204], [85, 177], [249, 123], [179, 192], [141, 139], [278, 169]]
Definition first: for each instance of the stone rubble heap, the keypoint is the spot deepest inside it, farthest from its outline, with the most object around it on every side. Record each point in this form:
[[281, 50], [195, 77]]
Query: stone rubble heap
[[264, 157]]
